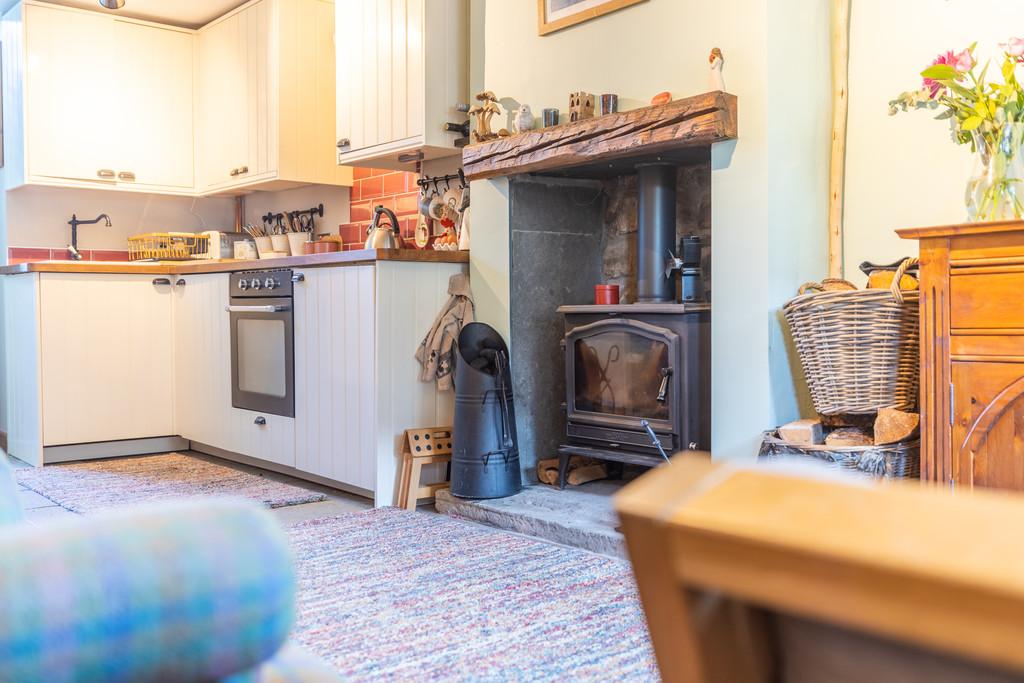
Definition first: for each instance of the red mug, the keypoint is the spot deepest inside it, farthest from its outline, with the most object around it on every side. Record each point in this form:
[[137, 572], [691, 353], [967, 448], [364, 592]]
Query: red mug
[[606, 295]]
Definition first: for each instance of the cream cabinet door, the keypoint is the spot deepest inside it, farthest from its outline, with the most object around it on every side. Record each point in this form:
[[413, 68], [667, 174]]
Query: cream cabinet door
[[72, 95], [235, 112], [335, 394], [380, 75], [154, 120], [106, 357], [108, 101], [202, 359]]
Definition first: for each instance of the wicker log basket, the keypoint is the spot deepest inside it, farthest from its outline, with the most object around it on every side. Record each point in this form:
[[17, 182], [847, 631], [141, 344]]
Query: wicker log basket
[[858, 348], [891, 461]]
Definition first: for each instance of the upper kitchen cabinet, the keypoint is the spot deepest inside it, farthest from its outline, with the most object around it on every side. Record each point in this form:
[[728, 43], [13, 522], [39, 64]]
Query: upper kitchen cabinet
[[265, 98], [402, 73], [91, 100]]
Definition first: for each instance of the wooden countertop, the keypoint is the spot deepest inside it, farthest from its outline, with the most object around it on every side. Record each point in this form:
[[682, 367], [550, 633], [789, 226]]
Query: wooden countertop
[[340, 258]]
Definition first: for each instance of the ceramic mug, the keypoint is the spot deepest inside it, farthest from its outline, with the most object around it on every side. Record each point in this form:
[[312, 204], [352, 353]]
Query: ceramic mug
[[437, 205]]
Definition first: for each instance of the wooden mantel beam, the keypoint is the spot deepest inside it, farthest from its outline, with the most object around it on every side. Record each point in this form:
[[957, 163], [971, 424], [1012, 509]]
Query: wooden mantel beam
[[689, 122]]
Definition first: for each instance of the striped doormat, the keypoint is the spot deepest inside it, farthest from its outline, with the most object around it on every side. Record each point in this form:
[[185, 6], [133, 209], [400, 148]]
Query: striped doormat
[[394, 595], [95, 485]]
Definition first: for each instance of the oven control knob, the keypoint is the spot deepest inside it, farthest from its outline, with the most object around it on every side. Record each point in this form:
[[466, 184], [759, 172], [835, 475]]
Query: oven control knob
[[243, 284], [269, 283], [255, 284]]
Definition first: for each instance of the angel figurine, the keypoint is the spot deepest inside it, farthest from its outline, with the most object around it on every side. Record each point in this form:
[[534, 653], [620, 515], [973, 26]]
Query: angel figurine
[[715, 80]]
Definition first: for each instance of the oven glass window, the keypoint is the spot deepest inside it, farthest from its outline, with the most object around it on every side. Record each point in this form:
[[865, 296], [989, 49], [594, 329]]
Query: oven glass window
[[621, 373], [261, 357]]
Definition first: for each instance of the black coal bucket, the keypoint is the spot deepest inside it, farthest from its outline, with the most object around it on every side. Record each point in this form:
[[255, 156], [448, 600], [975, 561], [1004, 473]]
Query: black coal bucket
[[485, 450]]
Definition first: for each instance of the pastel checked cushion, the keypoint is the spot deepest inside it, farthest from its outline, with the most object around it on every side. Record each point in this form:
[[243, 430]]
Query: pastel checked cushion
[[10, 508], [192, 591]]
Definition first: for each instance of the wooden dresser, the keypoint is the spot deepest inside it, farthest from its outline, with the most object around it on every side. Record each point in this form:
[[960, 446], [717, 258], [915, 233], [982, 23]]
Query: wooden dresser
[[972, 353]]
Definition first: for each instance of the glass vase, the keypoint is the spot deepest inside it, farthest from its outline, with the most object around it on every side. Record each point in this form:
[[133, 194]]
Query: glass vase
[[995, 191]]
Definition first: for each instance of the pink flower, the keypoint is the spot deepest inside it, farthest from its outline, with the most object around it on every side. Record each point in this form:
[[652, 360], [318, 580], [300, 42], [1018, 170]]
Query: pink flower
[[1014, 47], [964, 62], [932, 86]]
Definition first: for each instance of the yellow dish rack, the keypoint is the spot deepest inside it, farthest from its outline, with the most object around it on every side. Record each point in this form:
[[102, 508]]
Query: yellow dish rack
[[167, 246]]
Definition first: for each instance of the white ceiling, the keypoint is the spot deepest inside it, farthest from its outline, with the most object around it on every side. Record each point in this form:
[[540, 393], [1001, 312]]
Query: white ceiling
[[188, 13]]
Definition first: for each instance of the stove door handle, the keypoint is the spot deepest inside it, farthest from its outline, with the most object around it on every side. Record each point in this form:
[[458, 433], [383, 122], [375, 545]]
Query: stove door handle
[[663, 389], [257, 309]]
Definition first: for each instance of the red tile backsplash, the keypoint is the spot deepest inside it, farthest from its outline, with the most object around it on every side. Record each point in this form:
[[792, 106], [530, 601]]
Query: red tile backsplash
[[107, 255], [27, 254], [395, 190]]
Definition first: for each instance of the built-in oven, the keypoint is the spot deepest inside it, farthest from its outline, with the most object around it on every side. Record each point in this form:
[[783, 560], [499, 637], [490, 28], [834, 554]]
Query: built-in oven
[[262, 341]]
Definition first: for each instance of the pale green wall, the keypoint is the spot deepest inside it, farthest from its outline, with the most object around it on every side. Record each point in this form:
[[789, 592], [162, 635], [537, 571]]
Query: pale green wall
[[904, 171], [769, 189]]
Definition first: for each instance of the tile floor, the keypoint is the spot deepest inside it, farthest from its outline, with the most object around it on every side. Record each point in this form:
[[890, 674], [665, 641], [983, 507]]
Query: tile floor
[[38, 509]]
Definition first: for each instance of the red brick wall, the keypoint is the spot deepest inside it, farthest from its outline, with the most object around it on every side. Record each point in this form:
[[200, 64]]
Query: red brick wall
[[396, 190], [29, 254]]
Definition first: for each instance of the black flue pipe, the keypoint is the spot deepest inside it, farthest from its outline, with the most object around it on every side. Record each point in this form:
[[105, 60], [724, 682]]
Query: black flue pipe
[[656, 231]]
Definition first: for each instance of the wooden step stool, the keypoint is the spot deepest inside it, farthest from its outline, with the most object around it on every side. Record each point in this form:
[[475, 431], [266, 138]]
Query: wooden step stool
[[423, 447]]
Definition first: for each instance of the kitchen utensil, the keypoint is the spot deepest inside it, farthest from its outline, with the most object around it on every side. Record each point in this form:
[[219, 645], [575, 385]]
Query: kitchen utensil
[[264, 245], [606, 295], [464, 235], [422, 236], [296, 240], [379, 237], [280, 243], [424, 201]]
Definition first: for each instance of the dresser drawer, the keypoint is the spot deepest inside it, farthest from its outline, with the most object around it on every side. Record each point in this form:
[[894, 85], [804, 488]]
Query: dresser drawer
[[992, 248], [1005, 347], [988, 299]]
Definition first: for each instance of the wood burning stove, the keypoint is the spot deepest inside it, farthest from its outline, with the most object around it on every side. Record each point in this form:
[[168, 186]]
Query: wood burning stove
[[633, 362]]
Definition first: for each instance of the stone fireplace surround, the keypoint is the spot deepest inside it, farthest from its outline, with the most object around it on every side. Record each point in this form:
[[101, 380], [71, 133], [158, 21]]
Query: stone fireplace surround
[[566, 236]]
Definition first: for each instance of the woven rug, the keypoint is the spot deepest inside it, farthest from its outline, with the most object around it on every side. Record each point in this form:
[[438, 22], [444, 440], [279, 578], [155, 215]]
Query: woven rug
[[101, 484], [394, 595]]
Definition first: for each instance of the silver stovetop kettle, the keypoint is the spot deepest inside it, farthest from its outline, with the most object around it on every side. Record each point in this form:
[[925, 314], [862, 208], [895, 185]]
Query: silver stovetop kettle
[[381, 237]]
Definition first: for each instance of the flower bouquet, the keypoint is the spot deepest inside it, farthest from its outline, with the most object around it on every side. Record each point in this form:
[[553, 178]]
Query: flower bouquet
[[988, 116]]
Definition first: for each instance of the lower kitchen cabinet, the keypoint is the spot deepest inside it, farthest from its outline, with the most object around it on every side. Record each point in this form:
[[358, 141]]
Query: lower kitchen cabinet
[[334, 374], [202, 359], [103, 358], [92, 356], [357, 386]]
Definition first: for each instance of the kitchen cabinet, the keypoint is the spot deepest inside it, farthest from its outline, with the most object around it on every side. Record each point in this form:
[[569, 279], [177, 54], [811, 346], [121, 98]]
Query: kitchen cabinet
[[972, 354], [92, 100], [104, 364], [334, 374], [404, 70], [264, 98], [202, 359], [89, 358]]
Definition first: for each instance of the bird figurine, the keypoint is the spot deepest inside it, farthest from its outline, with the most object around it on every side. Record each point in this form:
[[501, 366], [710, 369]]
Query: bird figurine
[[715, 80], [523, 120]]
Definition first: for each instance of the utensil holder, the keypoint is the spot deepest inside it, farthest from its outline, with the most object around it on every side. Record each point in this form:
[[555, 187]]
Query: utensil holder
[[264, 245], [296, 240], [280, 243]]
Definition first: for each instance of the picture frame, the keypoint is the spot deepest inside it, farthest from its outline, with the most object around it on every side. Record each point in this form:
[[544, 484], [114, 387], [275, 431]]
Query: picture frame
[[554, 15]]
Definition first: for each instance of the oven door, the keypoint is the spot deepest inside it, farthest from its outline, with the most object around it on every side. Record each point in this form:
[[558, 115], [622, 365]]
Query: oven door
[[262, 355]]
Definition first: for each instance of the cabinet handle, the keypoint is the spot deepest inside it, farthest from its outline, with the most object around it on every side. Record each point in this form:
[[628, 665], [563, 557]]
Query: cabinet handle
[[234, 172], [298, 277], [344, 142], [161, 281], [126, 175], [243, 169], [180, 283], [105, 173], [260, 421]]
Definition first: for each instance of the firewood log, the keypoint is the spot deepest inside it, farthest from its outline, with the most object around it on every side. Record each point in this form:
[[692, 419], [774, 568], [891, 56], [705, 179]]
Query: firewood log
[[849, 436], [893, 426]]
